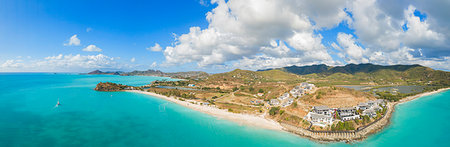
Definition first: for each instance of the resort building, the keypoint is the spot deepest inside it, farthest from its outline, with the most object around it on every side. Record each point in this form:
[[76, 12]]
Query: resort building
[[274, 102], [348, 113], [370, 112], [363, 106], [284, 96], [288, 102], [322, 110], [319, 119]]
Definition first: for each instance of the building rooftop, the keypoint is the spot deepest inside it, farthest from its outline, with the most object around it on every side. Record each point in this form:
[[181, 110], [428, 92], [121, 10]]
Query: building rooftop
[[347, 108], [321, 107], [315, 115]]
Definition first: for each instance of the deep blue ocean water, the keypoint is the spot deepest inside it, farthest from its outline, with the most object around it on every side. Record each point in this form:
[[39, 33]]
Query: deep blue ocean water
[[90, 118]]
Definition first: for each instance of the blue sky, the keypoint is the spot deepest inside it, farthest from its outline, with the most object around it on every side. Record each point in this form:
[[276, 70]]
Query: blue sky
[[217, 36]]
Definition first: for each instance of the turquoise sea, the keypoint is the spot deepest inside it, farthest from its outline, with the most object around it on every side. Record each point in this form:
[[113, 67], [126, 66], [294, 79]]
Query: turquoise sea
[[90, 118]]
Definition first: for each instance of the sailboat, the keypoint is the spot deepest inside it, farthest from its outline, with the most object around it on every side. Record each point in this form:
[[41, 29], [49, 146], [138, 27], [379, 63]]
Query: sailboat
[[57, 103]]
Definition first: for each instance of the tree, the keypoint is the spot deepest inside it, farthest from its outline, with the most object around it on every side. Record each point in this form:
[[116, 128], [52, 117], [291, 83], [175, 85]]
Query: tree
[[274, 110], [260, 91], [281, 112], [251, 89], [235, 89]]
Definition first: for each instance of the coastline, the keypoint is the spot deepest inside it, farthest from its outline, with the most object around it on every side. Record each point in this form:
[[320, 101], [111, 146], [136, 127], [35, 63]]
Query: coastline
[[261, 121], [243, 119]]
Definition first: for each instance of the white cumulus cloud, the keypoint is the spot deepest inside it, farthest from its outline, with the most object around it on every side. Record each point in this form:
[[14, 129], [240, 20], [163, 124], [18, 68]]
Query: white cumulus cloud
[[155, 48], [73, 41], [92, 48]]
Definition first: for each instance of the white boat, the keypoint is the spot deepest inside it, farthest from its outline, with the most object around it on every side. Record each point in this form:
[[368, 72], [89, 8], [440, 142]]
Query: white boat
[[57, 103]]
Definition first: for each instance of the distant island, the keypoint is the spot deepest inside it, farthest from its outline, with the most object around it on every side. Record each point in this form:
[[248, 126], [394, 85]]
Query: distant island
[[156, 73], [324, 103]]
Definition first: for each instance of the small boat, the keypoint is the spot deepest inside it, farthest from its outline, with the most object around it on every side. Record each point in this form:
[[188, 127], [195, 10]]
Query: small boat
[[57, 103]]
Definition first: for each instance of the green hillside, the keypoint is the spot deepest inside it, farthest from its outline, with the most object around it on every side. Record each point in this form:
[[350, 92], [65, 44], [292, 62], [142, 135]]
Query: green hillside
[[370, 74]]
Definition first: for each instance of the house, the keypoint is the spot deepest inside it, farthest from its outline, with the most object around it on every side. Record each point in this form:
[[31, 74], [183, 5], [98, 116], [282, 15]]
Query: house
[[288, 102], [319, 119], [351, 117], [284, 96], [205, 103], [370, 112], [348, 113], [381, 102], [322, 110], [256, 102], [285, 104], [307, 86], [363, 106], [304, 84], [260, 94], [274, 102]]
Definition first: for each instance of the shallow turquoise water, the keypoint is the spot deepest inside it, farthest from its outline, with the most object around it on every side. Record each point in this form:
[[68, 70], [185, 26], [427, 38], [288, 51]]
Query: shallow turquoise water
[[90, 118]]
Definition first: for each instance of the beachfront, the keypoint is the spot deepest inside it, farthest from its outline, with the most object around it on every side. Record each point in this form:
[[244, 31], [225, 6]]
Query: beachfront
[[261, 121]]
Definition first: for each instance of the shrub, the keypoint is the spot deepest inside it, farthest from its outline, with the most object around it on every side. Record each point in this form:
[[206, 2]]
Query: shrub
[[274, 110], [260, 91]]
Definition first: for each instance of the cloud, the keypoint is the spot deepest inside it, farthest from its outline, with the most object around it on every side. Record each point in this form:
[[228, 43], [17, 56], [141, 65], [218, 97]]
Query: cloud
[[133, 59], [352, 52], [155, 48], [78, 62], [243, 29], [73, 41], [67, 62], [89, 29], [92, 48], [153, 65], [12, 64], [379, 26]]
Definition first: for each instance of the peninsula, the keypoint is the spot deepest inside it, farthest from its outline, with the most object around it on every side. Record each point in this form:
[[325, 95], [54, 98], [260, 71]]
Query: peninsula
[[324, 103]]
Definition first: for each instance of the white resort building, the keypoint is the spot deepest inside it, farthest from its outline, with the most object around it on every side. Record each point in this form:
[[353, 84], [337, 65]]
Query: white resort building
[[348, 113], [319, 119], [274, 102]]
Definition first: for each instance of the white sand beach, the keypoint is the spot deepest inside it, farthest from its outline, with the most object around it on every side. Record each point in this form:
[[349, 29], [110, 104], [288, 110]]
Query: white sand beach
[[246, 119], [407, 99], [261, 121]]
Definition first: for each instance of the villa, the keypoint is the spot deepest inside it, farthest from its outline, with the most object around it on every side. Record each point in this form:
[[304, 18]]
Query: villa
[[324, 110], [363, 106], [284, 96], [348, 113], [274, 102], [260, 94], [288, 102], [319, 119]]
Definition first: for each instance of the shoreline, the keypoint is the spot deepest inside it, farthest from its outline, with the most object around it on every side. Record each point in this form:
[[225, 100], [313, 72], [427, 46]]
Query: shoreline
[[261, 121], [362, 134], [246, 119]]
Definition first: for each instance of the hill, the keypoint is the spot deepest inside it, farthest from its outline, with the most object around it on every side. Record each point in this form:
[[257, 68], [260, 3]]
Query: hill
[[157, 73], [98, 72], [370, 74]]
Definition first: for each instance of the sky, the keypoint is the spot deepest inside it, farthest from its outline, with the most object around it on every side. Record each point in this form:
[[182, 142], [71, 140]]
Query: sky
[[219, 36]]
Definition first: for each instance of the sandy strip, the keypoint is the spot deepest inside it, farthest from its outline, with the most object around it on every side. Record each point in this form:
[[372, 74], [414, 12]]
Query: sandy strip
[[247, 119], [407, 99]]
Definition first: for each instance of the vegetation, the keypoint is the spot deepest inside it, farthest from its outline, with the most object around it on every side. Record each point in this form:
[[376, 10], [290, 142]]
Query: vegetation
[[342, 126], [356, 74], [274, 110]]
